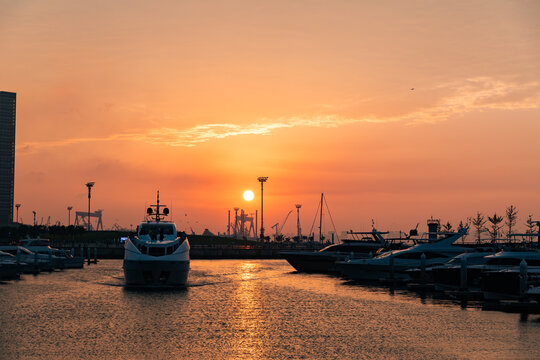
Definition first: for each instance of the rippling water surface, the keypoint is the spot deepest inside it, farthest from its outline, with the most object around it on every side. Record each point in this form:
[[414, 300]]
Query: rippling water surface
[[245, 309]]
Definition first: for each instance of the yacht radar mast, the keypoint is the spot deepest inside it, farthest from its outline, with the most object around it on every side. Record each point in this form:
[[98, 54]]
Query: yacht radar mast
[[157, 215]]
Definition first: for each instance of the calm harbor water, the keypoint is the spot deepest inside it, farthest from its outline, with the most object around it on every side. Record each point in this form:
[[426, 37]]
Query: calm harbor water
[[245, 309]]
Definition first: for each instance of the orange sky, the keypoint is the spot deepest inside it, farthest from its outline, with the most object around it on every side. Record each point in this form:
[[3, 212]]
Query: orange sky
[[199, 98]]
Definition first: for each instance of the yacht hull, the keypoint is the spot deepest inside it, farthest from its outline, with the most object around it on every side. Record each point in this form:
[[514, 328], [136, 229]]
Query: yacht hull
[[324, 262], [9, 271], [74, 263], [450, 277], [142, 270], [152, 273], [312, 262]]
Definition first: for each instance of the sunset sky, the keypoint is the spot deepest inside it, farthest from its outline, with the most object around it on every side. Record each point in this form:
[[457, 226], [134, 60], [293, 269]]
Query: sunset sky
[[396, 110]]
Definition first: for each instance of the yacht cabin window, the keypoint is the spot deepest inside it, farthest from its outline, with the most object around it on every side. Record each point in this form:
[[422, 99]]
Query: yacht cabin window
[[156, 229]]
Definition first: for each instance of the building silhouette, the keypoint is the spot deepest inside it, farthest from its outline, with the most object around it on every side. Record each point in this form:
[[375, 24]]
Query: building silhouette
[[7, 155]]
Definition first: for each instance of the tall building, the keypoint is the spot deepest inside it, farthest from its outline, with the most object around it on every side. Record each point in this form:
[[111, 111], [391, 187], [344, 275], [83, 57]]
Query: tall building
[[7, 155]]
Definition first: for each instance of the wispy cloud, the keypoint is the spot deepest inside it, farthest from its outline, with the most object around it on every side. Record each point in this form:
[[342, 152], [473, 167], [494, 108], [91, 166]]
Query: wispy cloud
[[475, 94], [478, 94]]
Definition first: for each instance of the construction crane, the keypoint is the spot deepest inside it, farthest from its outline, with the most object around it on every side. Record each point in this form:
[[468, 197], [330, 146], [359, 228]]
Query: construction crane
[[278, 236], [276, 227], [284, 221]]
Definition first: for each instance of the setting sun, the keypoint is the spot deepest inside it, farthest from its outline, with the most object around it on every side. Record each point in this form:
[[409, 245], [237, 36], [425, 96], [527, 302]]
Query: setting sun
[[248, 195]]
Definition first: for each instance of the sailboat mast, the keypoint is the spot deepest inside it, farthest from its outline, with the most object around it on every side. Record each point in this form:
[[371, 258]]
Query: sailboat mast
[[320, 219]]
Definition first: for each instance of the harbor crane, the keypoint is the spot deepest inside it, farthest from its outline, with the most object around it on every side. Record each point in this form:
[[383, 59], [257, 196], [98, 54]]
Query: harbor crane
[[278, 236], [275, 226], [82, 216]]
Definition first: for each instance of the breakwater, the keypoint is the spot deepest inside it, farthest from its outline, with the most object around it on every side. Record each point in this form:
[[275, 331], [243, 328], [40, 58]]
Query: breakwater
[[198, 251]]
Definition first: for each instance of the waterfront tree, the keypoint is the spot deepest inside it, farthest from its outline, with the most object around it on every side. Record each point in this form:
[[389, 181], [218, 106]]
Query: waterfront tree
[[530, 224], [511, 219], [462, 226], [495, 220], [478, 222]]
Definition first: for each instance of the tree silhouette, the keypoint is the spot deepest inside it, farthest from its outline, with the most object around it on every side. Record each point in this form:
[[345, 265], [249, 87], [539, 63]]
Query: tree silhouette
[[462, 226], [511, 218], [495, 227], [530, 224], [478, 222]]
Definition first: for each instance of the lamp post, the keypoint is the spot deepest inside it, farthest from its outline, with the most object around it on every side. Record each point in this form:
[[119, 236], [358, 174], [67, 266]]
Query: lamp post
[[262, 180], [17, 206], [69, 214], [236, 222], [89, 185], [298, 206]]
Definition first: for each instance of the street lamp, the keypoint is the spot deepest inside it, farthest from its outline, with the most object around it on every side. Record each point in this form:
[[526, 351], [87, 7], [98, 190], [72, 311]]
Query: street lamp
[[17, 206], [236, 222], [69, 214], [89, 185], [262, 180]]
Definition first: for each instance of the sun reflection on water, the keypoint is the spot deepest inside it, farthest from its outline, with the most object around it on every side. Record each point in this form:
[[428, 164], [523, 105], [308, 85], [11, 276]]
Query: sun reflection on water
[[247, 320], [247, 270]]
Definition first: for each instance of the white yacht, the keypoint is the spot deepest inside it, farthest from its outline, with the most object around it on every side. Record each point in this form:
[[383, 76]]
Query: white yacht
[[35, 262], [59, 258], [395, 263], [156, 256]]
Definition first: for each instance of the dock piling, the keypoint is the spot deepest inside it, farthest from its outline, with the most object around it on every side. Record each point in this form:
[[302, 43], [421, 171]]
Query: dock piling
[[523, 278], [423, 268], [463, 274], [391, 260]]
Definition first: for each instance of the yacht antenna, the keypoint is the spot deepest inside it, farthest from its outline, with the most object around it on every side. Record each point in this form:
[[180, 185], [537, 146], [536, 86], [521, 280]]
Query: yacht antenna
[[157, 207], [157, 216]]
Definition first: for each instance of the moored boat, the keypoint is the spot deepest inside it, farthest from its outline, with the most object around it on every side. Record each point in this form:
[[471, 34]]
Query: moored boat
[[463, 270], [324, 260], [9, 268], [34, 262], [59, 258], [394, 264], [508, 274]]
